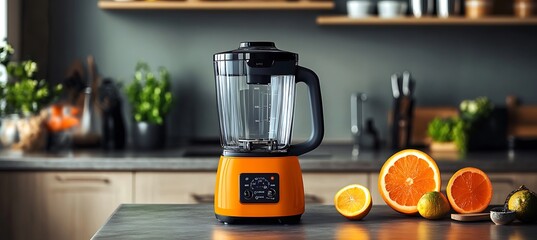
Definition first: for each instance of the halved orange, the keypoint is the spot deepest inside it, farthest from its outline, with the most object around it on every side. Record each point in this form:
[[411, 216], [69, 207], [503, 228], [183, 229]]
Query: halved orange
[[469, 190], [353, 201], [405, 177]]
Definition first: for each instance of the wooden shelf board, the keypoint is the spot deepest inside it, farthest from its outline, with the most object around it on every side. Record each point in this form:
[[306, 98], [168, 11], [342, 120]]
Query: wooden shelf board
[[496, 20], [217, 5]]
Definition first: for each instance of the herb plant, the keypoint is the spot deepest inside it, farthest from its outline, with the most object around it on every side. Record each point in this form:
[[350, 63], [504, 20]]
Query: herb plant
[[22, 94], [457, 129], [449, 130], [149, 94]]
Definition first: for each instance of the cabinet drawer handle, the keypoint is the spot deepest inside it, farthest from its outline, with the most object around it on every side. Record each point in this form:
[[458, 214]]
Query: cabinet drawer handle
[[203, 198], [82, 179]]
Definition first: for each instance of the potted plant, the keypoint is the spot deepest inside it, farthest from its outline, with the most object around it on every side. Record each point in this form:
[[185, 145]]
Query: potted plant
[[460, 133], [21, 100], [487, 124], [150, 98], [447, 134]]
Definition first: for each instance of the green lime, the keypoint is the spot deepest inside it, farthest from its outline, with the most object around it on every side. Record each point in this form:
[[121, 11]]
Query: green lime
[[433, 205], [524, 203]]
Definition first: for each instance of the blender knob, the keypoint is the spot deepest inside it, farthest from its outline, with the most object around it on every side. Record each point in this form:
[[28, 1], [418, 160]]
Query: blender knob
[[248, 194], [271, 193]]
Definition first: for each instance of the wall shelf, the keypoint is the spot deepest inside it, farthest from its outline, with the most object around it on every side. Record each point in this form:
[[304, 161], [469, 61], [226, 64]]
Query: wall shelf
[[217, 5], [496, 20]]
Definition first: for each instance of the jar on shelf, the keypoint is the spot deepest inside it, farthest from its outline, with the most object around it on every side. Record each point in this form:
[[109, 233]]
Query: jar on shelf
[[478, 8], [524, 8]]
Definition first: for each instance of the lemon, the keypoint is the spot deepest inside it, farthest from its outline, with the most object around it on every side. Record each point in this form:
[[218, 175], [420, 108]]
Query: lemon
[[433, 205], [524, 203]]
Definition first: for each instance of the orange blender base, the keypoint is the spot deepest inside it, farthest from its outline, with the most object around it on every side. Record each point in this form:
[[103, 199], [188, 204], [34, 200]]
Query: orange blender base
[[258, 189]]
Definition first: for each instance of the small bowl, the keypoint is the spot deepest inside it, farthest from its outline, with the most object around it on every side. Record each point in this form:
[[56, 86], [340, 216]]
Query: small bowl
[[359, 8], [391, 8], [502, 216]]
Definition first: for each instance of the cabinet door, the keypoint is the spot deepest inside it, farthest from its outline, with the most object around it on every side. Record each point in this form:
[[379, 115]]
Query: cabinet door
[[78, 204], [321, 187], [21, 205], [174, 187]]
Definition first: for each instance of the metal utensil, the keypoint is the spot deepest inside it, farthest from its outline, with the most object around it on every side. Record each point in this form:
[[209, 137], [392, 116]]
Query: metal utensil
[[448, 8], [357, 120], [406, 83], [421, 8], [395, 86]]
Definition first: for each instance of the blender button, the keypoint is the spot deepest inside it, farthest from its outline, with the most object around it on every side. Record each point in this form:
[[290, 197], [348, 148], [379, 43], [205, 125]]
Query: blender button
[[271, 193], [247, 194]]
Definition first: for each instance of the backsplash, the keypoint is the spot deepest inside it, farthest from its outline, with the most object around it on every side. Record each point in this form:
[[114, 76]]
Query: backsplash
[[449, 63]]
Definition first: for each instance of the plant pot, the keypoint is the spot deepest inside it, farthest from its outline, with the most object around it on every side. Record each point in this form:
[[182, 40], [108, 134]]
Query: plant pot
[[443, 147], [489, 133], [148, 136], [444, 150]]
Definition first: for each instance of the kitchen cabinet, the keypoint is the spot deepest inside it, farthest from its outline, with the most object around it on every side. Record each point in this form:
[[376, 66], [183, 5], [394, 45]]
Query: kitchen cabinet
[[321, 187], [217, 5], [77, 204], [174, 187], [502, 185], [198, 187], [60, 205], [22, 208]]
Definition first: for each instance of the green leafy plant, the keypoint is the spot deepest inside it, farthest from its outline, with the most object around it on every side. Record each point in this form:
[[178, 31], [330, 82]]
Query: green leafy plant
[[149, 94], [22, 94], [473, 110], [457, 129], [449, 130]]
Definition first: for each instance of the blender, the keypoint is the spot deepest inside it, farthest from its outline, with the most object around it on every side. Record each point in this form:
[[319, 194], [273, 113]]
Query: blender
[[259, 177]]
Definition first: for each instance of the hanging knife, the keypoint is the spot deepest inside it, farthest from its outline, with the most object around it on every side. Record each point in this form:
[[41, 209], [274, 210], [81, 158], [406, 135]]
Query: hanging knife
[[395, 86], [406, 83]]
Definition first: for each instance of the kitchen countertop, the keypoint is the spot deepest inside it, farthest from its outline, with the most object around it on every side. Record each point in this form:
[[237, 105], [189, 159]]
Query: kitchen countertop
[[147, 221], [327, 158]]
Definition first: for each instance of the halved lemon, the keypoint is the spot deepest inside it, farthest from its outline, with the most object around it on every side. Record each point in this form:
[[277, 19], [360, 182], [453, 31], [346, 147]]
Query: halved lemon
[[353, 201]]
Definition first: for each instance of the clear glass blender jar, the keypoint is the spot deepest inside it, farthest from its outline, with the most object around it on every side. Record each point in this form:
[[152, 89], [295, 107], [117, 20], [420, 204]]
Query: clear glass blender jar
[[255, 87]]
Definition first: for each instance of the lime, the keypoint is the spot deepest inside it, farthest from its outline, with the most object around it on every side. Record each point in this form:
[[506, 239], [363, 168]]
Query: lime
[[433, 205], [524, 203]]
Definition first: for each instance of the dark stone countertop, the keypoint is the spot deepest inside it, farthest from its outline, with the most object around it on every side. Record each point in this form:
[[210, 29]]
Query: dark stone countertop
[[147, 221], [327, 158]]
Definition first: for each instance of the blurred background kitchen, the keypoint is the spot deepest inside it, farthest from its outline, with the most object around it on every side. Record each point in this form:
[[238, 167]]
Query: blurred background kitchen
[[88, 153], [450, 63]]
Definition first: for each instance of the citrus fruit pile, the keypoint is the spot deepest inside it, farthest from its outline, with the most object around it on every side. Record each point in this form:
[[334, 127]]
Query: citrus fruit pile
[[409, 182], [62, 118]]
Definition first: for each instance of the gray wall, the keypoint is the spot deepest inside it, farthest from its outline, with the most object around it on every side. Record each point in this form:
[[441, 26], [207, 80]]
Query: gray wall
[[450, 63]]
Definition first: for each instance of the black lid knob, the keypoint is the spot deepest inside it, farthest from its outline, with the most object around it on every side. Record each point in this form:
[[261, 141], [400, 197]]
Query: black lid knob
[[257, 44]]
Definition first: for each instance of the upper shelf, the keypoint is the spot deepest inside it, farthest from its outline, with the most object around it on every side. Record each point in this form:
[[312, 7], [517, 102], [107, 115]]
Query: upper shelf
[[493, 20], [218, 5]]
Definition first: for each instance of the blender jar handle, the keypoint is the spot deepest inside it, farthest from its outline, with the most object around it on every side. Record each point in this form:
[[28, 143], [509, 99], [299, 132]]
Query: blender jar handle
[[309, 77]]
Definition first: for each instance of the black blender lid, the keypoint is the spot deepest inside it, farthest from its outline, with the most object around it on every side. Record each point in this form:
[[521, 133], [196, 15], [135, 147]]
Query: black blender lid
[[256, 50]]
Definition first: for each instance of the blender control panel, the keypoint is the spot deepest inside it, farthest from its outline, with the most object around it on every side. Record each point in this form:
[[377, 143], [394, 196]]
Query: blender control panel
[[259, 187]]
